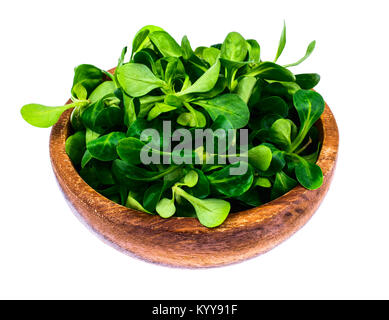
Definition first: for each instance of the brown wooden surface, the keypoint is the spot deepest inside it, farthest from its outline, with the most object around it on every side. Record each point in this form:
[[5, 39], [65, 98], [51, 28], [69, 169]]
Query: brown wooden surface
[[184, 242]]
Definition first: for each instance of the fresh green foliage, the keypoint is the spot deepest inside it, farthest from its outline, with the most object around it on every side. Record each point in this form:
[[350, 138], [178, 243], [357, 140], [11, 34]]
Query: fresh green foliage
[[307, 80], [166, 208], [227, 89], [231, 185], [260, 157], [281, 132], [281, 44], [102, 115], [165, 44], [43, 116], [309, 51], [137, 79], [210, 212], [309, 106], [75, 146], [87, 76], [308, 174], [104, 147], [105, 88], [282, 184], [230, 106], [206, 82]]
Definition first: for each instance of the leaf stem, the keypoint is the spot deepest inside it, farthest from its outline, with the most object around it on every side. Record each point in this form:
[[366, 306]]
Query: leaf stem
[[298, 140], [192, 111], [304, 146]]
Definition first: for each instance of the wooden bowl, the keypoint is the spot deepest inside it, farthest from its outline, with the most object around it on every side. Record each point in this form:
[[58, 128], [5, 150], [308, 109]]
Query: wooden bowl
[[184, 242]]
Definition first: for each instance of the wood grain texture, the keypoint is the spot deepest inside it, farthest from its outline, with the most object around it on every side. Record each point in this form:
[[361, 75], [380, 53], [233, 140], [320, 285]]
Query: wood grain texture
[[184, 242]]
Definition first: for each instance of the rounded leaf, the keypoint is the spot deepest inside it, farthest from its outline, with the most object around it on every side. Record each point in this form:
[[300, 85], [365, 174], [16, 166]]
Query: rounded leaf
[[260, 157], [309, 175], [104, 147]]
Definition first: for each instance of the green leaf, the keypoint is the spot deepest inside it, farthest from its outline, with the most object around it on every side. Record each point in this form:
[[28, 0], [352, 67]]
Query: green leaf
[[166, 208], [291, 87], [129, 150], [120, 63], [257, 93], [42, 116], [173, 100], [220, 86], [97, 174], [229, 105], [187, 51], [206, 82], [79, 91], [309, 175], [277, 163], [104, 147], [210, 212], [251, 198], [187, 119], [234, 47], [158, 109], [139, 39], [201, 189], [273, 105], [231, 185], [211, 55], [88, 76], [146, 57], [126, 171], [312, 158], [137, 80], [271, 71], [75, 119], [260, 157], [310, 49], [134, 204], [231, 69], [103, 115], [281, 44], [165, 44], [152, 196], [254, 51], [170, 70], [245, 88], [280, 133], [105, 88], [224, 134], [309, 106], [190, 179], [136, 128], [262, 182], [307, 80], [193, 118], [131, 107], [138, 44], [282, 184], [75, 147], [86, 158], [173, 177]]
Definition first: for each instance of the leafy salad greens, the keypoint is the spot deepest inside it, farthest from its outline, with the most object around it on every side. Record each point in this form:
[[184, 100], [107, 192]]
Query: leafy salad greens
[[226, 87]]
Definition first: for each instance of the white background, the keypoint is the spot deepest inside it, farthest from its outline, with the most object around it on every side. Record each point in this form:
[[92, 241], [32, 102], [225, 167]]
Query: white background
[[341, 253]]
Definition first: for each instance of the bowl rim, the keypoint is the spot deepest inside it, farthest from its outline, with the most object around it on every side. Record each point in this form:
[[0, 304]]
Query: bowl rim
[[250, 218]]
